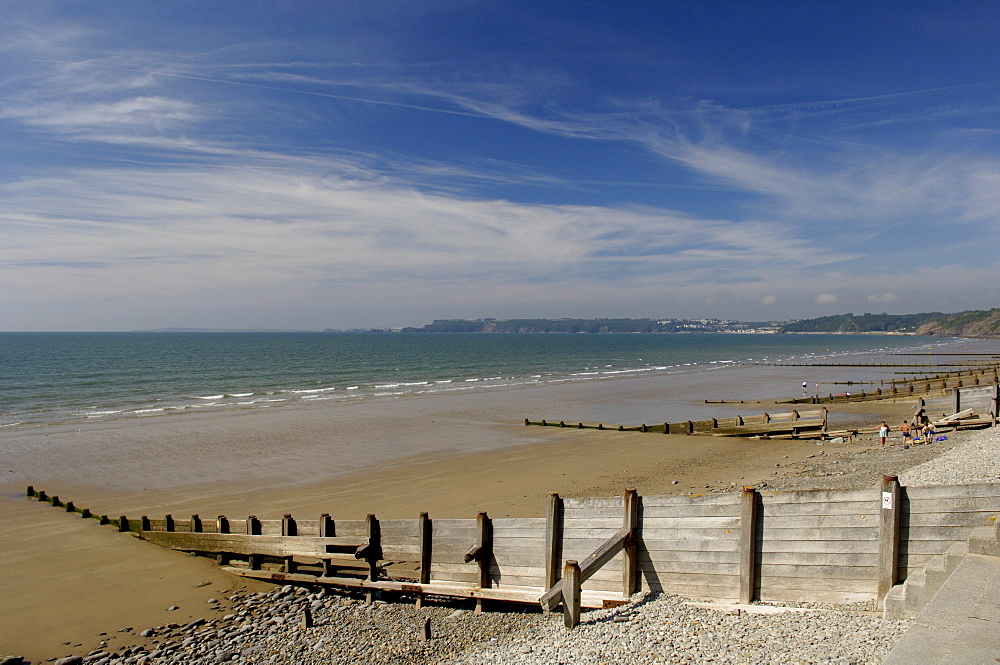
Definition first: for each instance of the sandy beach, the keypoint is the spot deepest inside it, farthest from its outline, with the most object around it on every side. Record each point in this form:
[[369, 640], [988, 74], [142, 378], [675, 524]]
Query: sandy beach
[[67, 581]]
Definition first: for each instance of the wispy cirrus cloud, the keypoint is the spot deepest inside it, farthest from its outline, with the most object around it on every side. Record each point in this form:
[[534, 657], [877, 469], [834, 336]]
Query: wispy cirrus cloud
[[229, 175]]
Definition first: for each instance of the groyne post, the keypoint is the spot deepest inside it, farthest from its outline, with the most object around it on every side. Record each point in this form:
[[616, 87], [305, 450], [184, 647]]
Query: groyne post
[[553, 539], [482, 553], [630, 560], [749, 514], [888, 545], [327, 529], [424, 527], [571, 594], [995, 404], [253, 529], [289, 528], [371, 552]]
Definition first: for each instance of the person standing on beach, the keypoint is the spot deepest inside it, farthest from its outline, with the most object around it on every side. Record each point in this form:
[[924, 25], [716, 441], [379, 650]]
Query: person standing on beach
[[883, 432], [805, 388], [904, 429], [928, 433]]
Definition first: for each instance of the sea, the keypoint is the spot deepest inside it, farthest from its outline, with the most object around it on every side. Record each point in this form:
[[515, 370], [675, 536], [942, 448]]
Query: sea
[[56, 378]]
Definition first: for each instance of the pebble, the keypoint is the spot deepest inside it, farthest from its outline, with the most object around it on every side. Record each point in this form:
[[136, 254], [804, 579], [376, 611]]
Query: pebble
[[655, 628]]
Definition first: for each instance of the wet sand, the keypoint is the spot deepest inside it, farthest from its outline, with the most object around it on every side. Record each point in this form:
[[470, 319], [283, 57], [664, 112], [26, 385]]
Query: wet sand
[[68, 580]]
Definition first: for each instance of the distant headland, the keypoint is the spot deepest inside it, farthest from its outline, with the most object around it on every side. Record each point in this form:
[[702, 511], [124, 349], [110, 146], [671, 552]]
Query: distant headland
[[963, 324]]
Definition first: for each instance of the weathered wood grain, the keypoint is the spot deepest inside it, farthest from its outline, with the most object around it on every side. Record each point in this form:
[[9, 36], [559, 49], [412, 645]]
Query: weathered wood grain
[[666, 501], [820, 496], [852, 521]]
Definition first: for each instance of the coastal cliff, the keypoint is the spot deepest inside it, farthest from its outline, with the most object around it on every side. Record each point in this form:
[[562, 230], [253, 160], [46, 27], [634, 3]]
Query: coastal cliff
[[965, 324]]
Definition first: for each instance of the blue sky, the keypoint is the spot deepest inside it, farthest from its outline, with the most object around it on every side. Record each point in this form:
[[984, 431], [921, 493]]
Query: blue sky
[[304, 165]]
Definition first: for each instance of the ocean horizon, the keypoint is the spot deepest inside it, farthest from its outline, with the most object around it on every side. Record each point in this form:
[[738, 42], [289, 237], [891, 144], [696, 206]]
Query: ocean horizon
[[56, 378]]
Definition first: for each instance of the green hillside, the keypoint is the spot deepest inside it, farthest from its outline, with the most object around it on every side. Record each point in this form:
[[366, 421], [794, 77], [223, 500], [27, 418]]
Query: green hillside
[[865, 323]]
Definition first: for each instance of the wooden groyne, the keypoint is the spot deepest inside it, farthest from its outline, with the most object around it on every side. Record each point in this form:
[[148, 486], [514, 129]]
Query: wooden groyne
[[961, 407], [801, 546], [898, 390], [807, 424]]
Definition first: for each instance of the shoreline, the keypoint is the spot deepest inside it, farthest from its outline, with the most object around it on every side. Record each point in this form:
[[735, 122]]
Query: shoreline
[[250, 396], [342, 461]]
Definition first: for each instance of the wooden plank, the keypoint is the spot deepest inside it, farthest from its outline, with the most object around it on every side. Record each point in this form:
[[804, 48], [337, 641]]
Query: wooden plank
[[869, 508], [244, 544], [970, 519], [400, 529], [610, 506], [820, 496], [729, 533], [729, 581], [947, 533], [821, 546], [853, 521], [524, 571], [524, 595], [511, 527], [454, 528], [689, 548], [655, 525], [953, 491], [685, 540], [352, 528], [778, 584], [518, 547], [982, 504], [769, 572], [405, 552], [816, 596], [682, 511], [498, 580], [456, 542], [862, 559], [606, 586], [572, 522], [812, 534], [307, 527], [693, 567], [453, 568], [270, 527], [667, 501]]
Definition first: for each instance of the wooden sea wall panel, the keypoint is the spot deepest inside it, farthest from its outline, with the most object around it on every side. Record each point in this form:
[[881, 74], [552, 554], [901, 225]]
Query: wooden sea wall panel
[[518, 552], [451, 539], [934, 518], [690, 545], [818, 546], [587, 524], [813, 546], [400, 540]]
